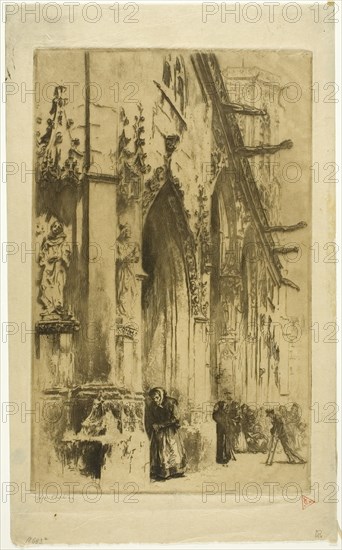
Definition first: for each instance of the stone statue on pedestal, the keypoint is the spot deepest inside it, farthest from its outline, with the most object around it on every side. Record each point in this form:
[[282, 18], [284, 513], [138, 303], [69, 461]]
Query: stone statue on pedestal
[[54, 257], [127, 254]]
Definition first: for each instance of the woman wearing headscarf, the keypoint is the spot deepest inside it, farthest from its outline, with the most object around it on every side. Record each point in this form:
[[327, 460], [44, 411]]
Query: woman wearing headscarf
[[167, 455]]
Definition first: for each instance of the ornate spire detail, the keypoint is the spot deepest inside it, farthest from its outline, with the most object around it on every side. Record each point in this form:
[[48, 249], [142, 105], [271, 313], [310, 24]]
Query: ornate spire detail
[[57, 151]]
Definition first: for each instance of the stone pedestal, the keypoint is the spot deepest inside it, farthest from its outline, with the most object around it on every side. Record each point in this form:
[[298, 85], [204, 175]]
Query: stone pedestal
[[106, 440], [128, 371], [55, 365]]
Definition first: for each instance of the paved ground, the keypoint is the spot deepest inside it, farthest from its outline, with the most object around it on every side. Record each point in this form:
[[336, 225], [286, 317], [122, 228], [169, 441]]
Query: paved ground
[[246, 478], [240, 476]]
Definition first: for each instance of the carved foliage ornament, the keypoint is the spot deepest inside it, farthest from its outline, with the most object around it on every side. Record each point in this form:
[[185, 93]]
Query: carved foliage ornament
[[202, 237], [131, 157]]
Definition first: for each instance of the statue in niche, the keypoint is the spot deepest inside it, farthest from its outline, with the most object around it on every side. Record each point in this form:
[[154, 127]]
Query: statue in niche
[[54, 257], [127, 254], [227, 317]]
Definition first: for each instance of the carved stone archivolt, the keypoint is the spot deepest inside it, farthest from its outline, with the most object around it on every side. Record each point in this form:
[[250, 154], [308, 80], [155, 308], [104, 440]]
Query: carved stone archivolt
[[162, 174], [152, 187], [202, 234], [197, 288]]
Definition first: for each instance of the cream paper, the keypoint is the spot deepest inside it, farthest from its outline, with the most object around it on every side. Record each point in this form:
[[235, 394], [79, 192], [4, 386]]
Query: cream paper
[[158, 220]]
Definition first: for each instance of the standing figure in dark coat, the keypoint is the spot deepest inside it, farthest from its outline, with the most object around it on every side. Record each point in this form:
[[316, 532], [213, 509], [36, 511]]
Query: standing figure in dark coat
[[224, 433], [167, 455], [278, 433]]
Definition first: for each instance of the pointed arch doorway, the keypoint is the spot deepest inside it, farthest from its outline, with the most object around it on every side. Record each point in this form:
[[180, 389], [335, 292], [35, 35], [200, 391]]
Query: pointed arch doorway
[[165, 297]]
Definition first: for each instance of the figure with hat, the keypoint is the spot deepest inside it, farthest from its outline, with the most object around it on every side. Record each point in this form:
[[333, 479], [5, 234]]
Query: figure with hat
[[278, 433], [225, 430]]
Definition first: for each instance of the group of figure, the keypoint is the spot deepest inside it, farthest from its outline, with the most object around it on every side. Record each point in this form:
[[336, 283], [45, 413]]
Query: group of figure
[[240, 429]]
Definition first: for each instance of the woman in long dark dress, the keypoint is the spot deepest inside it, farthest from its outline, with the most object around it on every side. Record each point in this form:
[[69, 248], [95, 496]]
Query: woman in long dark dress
[[167, 455]]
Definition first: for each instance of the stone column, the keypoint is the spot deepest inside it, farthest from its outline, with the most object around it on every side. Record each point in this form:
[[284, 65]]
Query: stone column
[[126, 349], [102, 292], [129, 323], [201, 370]]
